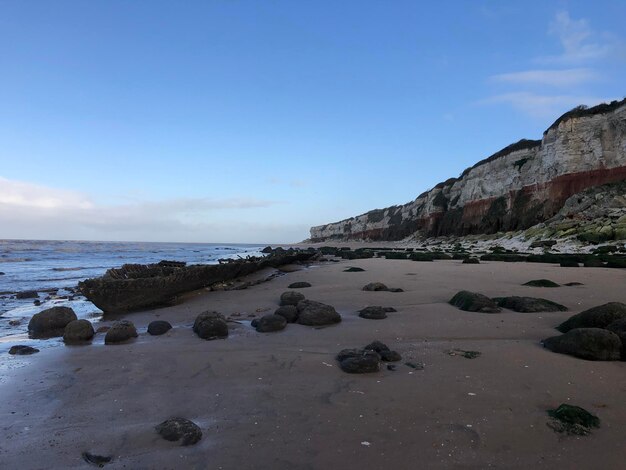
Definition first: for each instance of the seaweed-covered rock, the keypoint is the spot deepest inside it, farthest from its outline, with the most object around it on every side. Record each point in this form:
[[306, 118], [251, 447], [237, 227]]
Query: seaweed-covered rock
[[291, 298], [596, 317], [471, 261], [50, 322], [22, 350], [159, 327], [572, 419], [541, 283], [180, 429], [373, 313], [594, 344], [299, 285], [289, 312], [375, 286], [359, 361], [474, 302], [529, 304], [210, 325], [313, 313], [270, 323], [121, 331], [78, 331]]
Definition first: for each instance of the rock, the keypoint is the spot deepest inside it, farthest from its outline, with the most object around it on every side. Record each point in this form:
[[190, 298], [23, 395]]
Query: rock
[[474, 302], [529, 304], [180, 429], [395, 289], [159, 327], [471, 261], [289, 312], [573, 420], [77, 332], [269, 323], [97, 460], [267, 249], [570, 284], [619, 328], [596, 317], [594, 344], [359, 361], [375, 286], [313, 313], [543, 243], [541, 283], [593, 262], [568, 263], [22, 350], [1, 273], [29, 294], [389, 309], [15, 322], [210, 325], [390, 356], [383, 351], [120, 331], [354, 270], [50, 322], [299, 285], [36, 302], [373, 313], [291, 298]]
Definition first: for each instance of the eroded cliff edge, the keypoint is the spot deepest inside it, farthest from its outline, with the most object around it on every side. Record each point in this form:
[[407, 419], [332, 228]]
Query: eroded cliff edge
[[523, 184]]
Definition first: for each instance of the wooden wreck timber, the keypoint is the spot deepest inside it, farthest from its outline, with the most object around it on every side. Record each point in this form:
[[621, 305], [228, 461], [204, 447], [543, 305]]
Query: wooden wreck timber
[[138, 286]]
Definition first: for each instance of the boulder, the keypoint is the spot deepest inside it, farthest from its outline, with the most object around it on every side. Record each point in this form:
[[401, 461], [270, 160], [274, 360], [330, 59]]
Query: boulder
[[29, 294], [50, 322], [313, 313], [541, 283], [573, 420], [290, 312], [529, 304], [359, 361], [210, 325], [159, 327], [373, 313], [375, 286], [619, 328], [596, 317], [594, 344], [267, 250], [120, 331], [78, 331], [299, 285], [269, 323], [291, 298], [474, 302], [22, 350], [180, 429]]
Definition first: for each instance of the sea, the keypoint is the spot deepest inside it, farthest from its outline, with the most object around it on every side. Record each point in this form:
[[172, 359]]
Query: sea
[[54, 268]]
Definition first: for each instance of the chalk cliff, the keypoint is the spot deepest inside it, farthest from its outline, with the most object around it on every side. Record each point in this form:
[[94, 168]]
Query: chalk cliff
[[523, 184]]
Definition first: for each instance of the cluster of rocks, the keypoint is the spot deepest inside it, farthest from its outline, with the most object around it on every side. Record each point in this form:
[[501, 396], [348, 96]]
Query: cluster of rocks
[[367, 359], [475, 302]]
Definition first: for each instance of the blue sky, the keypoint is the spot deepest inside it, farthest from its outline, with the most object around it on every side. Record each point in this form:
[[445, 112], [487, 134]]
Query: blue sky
[[250, 121]]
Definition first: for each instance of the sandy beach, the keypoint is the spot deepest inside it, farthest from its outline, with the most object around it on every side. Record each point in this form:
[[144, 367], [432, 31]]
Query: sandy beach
[[280, 401]]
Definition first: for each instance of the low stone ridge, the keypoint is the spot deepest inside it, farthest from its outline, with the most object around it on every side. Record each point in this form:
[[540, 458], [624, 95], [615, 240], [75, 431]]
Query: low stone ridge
[[291, 298], [50, 322], [596, 317], [541, 283], [474, 302], [22, 350], [78, 332], [373, 313], [594, 344], [573, 420], [159, 327], [313, 313], [210, 325], [120, 332], [529, 304], [289, 312], [180, 429], [270, 323], [299, 285]]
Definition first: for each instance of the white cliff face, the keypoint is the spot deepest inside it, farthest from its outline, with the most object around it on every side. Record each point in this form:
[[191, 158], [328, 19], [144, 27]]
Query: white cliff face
[[531, 183]]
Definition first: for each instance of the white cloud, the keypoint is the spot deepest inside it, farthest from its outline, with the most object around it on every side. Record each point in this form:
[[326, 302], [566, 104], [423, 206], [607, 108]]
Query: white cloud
[[579, 42], [558, 78], [542, 106]]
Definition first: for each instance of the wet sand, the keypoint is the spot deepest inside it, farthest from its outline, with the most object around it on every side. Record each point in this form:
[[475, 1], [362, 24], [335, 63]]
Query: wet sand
[[280, 401]]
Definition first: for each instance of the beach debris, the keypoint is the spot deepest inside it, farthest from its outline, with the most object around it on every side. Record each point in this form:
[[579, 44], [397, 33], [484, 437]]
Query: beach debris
[[312, 313], [120, 331], [529, 304], [159, 327], [27, 294], [353, 269], [180, 429], [596, 317], [463, 353], [291, 298], [210, 325], [572, 420], [471, 261], [366, 444], [22, 350], [474, 302], [290, 312], [97, 460], [299, 285], [541, 283], [50, 322], [373, 313], [594, 344], [78, 331], [414, 365], [270, 323]]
